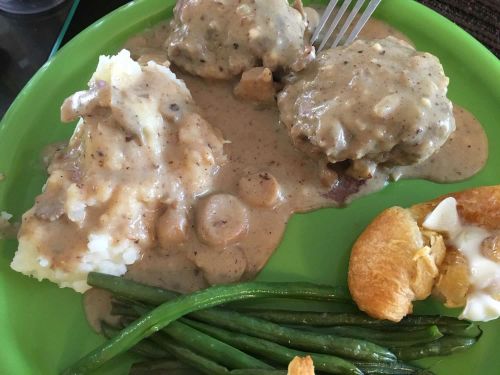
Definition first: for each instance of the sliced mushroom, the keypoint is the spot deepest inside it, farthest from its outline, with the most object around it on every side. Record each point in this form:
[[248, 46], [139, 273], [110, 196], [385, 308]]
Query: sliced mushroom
[[259, 189], [221, 219], [171, 227], [220, 266]]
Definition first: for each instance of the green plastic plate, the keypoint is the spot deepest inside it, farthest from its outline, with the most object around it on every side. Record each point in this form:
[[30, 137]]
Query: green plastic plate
[[42, 327]]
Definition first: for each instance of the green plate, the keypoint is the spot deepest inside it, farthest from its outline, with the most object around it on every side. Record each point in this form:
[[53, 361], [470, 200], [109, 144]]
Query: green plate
[[42, 327]]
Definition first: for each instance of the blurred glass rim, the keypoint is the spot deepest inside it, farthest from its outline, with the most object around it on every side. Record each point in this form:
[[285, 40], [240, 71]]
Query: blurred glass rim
[[28, 6]]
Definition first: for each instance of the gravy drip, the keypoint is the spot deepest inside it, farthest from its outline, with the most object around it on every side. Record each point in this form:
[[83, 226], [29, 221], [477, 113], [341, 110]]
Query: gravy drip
[[461, 157], [259, 146]]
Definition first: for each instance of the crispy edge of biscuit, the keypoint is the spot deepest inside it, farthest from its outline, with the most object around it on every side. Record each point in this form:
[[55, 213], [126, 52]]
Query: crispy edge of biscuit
[[476, 206], [380, 266]]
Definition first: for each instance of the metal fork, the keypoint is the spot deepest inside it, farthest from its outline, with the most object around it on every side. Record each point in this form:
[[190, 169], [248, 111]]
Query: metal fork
[[370, 8]]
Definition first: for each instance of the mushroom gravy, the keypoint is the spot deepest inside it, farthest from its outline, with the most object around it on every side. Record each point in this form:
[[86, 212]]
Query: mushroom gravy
[[264, 181]]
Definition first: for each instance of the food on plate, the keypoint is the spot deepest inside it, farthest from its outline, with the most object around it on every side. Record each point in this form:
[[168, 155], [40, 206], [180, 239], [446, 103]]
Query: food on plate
[[221, 219], [116, 181], [301, 366], [183, 182], [393, 263], [260, 189], [179, 183], [191, 331], [475, 240], [222, 39], [373, 102], [172, 310], [449, 244], [268, 177], [256, 84], [6, 227]]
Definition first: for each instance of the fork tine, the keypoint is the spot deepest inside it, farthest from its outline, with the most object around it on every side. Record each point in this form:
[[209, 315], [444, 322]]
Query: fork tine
[[334, 24], [362, 21], [324, 18], [347, 22]]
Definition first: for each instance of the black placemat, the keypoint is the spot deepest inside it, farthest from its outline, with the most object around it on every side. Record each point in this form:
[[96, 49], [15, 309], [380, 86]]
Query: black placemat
[[481, 18]]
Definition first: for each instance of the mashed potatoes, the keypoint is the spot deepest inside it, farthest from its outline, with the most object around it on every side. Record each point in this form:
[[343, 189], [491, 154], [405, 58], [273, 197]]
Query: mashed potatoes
[[140, 152]]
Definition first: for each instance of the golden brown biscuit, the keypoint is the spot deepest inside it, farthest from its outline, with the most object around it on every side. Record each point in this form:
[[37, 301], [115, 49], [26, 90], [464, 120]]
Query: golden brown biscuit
[[478, 206], [395, 261]]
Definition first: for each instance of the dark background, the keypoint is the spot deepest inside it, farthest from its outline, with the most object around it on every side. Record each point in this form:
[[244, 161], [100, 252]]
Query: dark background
[[26, 41]]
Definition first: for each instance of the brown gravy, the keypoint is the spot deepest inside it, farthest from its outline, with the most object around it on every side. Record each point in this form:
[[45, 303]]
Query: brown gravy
[[258, 144], [461, 157]]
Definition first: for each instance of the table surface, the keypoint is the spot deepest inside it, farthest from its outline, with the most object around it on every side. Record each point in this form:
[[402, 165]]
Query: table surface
[[26, 41]]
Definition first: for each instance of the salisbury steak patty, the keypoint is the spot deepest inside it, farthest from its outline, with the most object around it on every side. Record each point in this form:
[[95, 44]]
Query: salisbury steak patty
[[377, 101]]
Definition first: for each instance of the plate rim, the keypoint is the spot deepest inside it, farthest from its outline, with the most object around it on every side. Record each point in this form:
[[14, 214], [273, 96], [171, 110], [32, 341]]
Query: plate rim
[[25, 95]]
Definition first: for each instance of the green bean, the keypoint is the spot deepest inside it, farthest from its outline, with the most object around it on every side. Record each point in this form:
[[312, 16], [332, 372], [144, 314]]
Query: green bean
[[392, 368], [444, 346], [471, 330], [362, 350], [275, 333], [329, 344], [118, 308], [198, 362], [205, 345], [144, 348], [353, 348], [177, 371], [135, 291], [386, 338], [130, 289], [312, 318], [424, 320], [258, 372], [351, 319], [465, 330], [300, 339], [207, 367], [170, 311], [211, 348], [173, 367], [278, 353]]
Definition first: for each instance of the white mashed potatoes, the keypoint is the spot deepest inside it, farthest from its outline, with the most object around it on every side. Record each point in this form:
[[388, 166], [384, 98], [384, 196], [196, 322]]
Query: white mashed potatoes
[[138, 157]]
